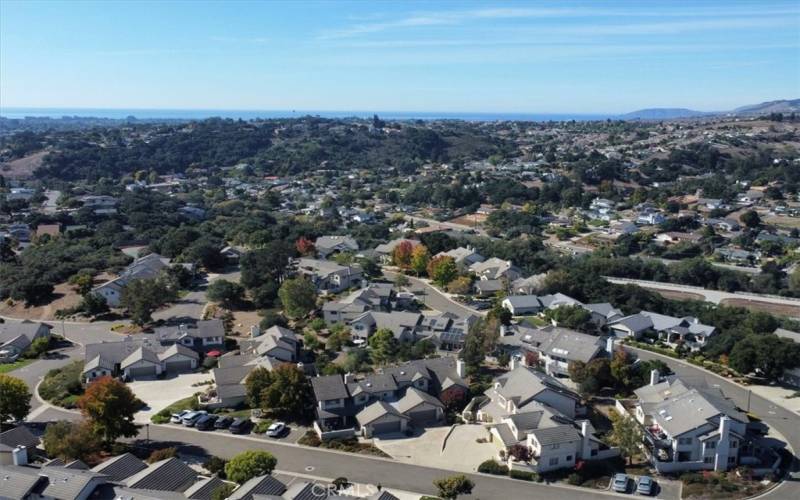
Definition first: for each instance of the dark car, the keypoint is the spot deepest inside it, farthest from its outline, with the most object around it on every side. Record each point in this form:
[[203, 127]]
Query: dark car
[[206, 422], [240, 426], [223, 423]]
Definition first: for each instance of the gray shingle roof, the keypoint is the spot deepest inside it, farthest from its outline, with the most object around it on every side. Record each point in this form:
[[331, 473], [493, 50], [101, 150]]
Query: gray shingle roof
[[555, 435], [260, 485], [17, 436], [16, 481], [329, 387], [167, 475], [377, 410], [413, 398], [68, 484], [120, 467], [204, 488]]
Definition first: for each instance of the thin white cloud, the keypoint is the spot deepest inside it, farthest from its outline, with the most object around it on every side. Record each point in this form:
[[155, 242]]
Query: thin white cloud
[[421, 19]]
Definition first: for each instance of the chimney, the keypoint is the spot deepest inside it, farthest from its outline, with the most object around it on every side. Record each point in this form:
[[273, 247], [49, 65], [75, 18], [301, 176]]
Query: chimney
[[723, 451], [461, 368], [20, 455], [586, 449], [513, 363], [349, 378], [611, 346], [255, 331], [655, 377]]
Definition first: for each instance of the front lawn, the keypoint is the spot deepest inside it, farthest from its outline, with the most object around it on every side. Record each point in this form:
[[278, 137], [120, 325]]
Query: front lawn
[[7, 367], [62, 386], [164, 415]]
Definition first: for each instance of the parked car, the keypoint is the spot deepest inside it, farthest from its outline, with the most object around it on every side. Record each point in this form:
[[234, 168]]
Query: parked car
[[192, 417], [240, 425], [276, 430], [206, 422], [223, 423], [644, 486], [620, 483], [177, 418]]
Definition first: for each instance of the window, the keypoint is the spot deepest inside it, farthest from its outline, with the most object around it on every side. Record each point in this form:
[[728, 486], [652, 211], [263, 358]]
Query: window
[[594, 453], [731, 460], [554, 461], [684, 440], [555, 446], [734, 444], [708, 460], [711, 445], [569, 458]]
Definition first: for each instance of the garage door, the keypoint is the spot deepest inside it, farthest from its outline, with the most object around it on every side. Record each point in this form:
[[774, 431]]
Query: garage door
[[423, 417], [142, 371], [179, 366], [385, 427]]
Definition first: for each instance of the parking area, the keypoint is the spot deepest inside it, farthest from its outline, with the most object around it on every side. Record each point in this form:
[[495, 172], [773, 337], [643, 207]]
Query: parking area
[[663, 488], [160, 393], [462, 452], [292, 434]]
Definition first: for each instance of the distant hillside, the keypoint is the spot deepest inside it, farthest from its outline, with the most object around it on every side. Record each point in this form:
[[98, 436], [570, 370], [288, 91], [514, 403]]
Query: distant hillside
[[781, 106], [662, 114]]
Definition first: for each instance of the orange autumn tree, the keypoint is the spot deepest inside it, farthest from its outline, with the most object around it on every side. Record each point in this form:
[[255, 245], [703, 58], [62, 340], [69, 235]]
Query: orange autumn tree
[[305, 246], [109, 406], [401, 255]]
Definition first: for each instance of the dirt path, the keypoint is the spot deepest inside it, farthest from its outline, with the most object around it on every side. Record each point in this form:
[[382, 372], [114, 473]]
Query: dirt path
[[756, 305]]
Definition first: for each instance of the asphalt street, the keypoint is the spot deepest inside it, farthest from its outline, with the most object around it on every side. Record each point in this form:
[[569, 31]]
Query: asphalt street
[[433, 298]]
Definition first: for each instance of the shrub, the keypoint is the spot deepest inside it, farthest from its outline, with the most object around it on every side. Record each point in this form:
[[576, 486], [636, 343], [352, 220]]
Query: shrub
[[575, 479], [262, 426], [493, 467], [522, 475], [61, 385], [216, 465], [162, 454], [210, 363]]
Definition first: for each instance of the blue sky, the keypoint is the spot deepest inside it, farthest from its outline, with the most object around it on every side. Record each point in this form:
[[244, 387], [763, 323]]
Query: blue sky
[[540, 57]]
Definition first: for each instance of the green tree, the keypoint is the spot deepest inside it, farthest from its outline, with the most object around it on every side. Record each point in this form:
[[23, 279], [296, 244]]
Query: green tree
[[750, 218], [442, 270], [222, 492], [142, 297], [383, 346], [401, 280], [574, 317], [226, 292], [82, 283], [284, 391], [250, 464], [109, 406], [15, 399], [480, 341], [70, 441], [419, 259], [626, 435], [451, 487], [93, 304], [298, 296]]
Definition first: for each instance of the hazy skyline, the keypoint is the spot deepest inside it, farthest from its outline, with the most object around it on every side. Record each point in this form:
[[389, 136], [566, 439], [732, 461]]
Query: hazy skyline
[[542, 57]]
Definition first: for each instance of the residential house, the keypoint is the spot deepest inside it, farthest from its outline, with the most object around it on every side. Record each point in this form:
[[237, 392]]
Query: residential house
[[328, 276], [603, 313], [14, 438], [522, 305], [374, 297], [672, 237], [529, 285], [737, 255], [17, 337], [488, 288], [201, 336], [330, 245], [673, 331], [650, 218], [495, 269], [464, 257], [137, 358], [146, 267], [232, 254], [276, 346], [404, 325], [405, 395], [691, 429]]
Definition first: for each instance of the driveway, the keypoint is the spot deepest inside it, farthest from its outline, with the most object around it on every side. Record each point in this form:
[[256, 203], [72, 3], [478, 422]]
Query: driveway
[[462, 452], [158, 394]]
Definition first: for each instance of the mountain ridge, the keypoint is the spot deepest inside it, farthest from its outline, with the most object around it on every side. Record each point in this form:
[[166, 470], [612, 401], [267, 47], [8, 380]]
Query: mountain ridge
[[762, 108]]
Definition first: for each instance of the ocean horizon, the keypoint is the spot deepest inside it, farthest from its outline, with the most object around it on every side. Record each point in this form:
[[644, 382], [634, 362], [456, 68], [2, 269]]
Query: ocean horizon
[[200, 114]]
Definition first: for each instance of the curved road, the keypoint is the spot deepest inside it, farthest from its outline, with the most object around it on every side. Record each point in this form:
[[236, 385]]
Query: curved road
[[435, 299], [777, 417]]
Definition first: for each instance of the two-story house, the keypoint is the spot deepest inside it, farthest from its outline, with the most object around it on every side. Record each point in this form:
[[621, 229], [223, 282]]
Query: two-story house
[[328, 276]]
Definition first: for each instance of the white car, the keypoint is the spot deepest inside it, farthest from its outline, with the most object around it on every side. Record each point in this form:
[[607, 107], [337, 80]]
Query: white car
[[177, 418], [276, 429]]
